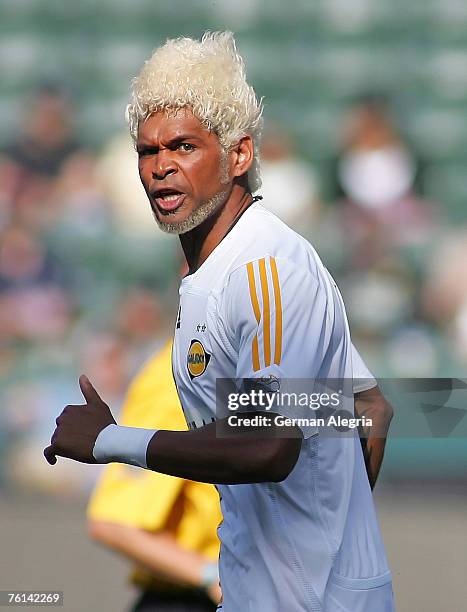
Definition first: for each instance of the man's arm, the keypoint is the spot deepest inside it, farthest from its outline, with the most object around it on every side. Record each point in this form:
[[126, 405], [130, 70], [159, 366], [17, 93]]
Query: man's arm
[[159, 553], [373, 405], [247, 457]]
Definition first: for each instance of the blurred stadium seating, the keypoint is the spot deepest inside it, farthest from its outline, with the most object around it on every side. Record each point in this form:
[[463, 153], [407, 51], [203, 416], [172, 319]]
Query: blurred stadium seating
[[320, 54], [310, 59]]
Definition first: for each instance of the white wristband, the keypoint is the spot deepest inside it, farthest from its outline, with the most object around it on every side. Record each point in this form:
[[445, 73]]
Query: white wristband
[[123, 445]]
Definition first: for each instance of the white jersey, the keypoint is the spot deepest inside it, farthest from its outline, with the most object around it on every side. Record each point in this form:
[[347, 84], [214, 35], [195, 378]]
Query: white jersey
[[263, 304]]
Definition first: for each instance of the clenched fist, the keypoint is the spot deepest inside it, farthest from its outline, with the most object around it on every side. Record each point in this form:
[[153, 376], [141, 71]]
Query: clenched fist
[[78, 427]]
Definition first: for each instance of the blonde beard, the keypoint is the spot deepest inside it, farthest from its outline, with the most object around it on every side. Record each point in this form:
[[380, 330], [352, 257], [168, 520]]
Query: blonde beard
[[205, 209]]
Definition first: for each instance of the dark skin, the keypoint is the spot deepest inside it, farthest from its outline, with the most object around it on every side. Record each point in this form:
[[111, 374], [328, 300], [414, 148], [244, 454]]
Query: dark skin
[[193, 455], [373, 405], [179, 154], [180, 159]]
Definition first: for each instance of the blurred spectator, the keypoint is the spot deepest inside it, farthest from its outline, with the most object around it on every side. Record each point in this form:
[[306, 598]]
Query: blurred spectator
[[459, 333], [377, 237], [103, 356], [83, 207], [444, 296], [142, 323], [375, 168], [45, 140], [445, 291], [289, 184], [381, 297], [34, 304], [35, 157], [412, 352], [376, 174]]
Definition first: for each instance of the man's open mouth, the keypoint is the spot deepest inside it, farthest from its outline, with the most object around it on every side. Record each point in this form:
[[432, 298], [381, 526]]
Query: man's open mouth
[[168, 200]]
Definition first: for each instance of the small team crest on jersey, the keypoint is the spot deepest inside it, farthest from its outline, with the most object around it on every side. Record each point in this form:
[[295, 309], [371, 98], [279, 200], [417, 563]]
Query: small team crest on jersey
[[197, 359], [271, 383]]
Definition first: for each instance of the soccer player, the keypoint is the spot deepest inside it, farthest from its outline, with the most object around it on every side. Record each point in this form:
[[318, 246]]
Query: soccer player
[[166, 526], [299, 530]]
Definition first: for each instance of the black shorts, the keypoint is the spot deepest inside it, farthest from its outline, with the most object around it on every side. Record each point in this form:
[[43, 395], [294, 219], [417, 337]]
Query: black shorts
[[190, 601]]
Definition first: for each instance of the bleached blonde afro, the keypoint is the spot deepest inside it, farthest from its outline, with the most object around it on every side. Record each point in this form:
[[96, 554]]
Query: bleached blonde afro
[[207, 76]]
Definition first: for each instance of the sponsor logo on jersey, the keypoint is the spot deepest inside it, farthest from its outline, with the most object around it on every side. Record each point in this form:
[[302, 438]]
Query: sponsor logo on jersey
[[197, 359]]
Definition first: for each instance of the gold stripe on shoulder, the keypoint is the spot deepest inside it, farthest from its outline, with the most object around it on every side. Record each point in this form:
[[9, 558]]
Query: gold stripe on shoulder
[[256, 310], [255, 353], [278, 309], [253, 295], [266, 312]]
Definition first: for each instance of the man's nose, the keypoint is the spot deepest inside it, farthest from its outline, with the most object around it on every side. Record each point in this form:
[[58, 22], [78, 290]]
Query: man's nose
[[164, 164]]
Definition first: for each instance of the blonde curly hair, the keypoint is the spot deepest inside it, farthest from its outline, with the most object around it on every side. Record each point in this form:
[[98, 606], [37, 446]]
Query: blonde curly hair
[[208, 76]]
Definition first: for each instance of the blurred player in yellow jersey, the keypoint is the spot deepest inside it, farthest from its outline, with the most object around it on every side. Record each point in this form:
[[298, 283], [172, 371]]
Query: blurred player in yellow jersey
[[165, 525]]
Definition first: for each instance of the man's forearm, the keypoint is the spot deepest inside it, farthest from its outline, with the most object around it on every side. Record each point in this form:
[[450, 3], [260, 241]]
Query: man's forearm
[[373, 453], [372, 404], [89, 433], [203, 456]]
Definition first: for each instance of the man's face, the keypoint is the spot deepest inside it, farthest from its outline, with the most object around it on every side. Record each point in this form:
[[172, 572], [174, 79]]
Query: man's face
[[183, 169]]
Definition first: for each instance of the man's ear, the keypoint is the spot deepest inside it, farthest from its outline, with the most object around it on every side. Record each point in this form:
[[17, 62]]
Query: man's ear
[[243, 153]]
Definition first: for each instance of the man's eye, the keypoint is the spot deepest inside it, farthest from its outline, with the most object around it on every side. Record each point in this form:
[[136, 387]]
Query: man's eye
[[186, 146]]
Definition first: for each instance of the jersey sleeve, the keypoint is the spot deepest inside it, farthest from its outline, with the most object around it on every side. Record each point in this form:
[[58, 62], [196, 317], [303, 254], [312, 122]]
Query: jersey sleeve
[[363, 379], [276, 319]]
